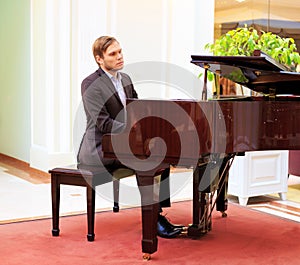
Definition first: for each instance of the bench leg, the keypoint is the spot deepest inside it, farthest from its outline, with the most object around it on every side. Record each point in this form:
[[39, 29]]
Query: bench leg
[[90, 197], [55, 194]]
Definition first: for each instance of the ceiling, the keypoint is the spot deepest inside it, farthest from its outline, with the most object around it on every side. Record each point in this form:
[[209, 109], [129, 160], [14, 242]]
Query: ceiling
[[239, 10]]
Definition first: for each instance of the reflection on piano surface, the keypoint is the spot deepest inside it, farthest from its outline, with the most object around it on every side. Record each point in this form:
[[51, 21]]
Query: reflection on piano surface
[[206, 135]]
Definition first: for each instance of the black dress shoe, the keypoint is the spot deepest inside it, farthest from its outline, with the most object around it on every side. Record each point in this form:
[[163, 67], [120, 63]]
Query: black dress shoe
[[165, 230], [164, 220]]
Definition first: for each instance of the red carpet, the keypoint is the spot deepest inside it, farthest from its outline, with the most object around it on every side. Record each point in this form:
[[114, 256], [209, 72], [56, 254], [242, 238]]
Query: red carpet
[[244, 237]]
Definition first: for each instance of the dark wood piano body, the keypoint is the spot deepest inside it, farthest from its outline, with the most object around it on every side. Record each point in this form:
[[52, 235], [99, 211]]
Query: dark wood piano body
[[160, 133], [191, 129]]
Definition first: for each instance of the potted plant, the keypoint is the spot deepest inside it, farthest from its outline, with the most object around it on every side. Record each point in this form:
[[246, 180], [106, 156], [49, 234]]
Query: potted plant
[[244, 41]]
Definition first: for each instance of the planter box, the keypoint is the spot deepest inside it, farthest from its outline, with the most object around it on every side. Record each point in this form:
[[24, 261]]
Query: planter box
[[258, 173]]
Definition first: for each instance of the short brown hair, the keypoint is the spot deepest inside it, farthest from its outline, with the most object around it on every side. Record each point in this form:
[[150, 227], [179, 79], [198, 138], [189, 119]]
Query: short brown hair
[[101, 44]]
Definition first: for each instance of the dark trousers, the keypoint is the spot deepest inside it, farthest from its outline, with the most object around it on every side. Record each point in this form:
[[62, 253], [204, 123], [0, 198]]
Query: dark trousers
[[164, 188], [164, 191]]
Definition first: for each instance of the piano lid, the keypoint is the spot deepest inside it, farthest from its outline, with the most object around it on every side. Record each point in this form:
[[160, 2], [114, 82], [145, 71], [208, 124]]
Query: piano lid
[[260, 73]]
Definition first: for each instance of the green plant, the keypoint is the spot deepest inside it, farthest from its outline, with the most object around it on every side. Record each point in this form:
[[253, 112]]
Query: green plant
[[244, 41]]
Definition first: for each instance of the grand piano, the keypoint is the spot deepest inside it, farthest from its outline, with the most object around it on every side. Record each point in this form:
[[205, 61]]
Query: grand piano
[[206, 135]]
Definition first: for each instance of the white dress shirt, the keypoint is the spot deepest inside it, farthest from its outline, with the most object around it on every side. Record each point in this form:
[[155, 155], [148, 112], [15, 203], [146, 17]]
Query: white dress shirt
[[117, 81]]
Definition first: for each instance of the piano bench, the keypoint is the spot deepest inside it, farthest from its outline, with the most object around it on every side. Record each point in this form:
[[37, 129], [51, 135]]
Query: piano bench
[[85, 176]]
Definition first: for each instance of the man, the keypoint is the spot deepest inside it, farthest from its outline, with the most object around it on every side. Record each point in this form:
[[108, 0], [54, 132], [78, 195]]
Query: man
[[104, 94]]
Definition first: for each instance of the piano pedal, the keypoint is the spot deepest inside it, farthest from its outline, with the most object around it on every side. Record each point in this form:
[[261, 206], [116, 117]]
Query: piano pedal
[[184, 229], [196, 231], [184, 232]]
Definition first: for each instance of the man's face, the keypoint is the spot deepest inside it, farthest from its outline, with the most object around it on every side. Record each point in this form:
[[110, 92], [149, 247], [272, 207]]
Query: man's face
[[112, 60]]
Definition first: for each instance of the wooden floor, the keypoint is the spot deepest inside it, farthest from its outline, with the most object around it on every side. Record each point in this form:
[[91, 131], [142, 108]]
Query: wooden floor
[[22, 170]]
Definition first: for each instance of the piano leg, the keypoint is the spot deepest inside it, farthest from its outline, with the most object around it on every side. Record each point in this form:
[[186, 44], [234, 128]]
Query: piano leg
[[201, 206], [150, 207], [221, 200]]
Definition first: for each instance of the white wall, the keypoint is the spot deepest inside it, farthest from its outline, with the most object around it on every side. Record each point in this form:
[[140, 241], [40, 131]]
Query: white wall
[[157, 37], [15, 78]]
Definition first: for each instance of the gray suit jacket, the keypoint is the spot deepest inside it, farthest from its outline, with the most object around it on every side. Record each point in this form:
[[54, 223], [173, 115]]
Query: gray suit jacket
[[104, 114]]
